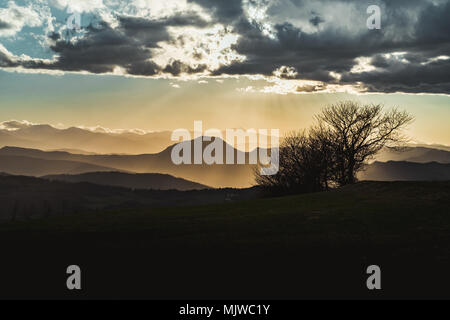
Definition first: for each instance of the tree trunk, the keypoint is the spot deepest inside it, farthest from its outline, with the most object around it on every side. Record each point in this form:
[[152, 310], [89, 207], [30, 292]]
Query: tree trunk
[[351, 173]]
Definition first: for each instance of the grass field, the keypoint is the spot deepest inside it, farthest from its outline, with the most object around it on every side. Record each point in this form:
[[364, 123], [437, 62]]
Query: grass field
[[312, 245]]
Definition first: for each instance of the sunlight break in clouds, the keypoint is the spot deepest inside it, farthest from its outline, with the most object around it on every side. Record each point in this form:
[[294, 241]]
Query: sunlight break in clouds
[[196, 47], [326, 42]]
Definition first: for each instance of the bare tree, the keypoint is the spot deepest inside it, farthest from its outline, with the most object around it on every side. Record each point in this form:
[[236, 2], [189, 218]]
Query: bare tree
[[357, 132], [331, 153], [303, 165]]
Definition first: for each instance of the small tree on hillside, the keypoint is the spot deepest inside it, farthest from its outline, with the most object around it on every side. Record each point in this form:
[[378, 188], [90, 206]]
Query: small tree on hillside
[[346, 135], [303, 166], [357, 132]]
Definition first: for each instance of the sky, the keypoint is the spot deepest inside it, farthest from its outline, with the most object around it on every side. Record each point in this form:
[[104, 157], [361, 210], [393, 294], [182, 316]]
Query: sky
[[160, 65]]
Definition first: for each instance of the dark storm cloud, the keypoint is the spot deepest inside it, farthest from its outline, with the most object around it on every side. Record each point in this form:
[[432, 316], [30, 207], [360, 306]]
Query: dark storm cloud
[[150, 32], [54, 36], [5, 62], [392, 76], [317, 54], [312, 55], [177, 67], [225, 11], [4, 25], [103, 48], [316, 20], [314, 38]]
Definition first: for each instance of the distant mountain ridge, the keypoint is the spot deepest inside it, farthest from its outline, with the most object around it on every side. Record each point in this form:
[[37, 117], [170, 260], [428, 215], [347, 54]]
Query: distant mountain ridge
[[46, 137], [218, 176], [86, 140], [405, 171], [414, 154], [33, 166], [154, 181]]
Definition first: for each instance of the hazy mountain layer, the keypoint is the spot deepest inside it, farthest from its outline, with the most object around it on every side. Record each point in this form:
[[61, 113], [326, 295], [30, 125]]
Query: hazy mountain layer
[[407, 167], [31, 166], [414, 154], [46, 137], [154, 181], [218, 176], [402, 170]]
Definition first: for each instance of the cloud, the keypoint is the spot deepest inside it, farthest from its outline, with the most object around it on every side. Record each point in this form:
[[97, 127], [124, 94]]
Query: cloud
[[78, 5], [341, 51], [6, 58], [5, 25], [100, 129], [316, 20], [14, 18], [13, 125], [324, 42]]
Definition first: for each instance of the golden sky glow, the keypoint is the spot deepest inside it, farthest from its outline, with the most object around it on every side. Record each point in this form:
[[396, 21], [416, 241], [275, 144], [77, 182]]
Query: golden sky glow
[[117, 102]]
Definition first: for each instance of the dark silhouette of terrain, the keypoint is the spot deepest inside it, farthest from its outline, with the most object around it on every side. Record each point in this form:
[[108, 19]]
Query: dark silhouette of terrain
[[31, 166], [315, 245], [24, 197], [216, 176], [155, 181]]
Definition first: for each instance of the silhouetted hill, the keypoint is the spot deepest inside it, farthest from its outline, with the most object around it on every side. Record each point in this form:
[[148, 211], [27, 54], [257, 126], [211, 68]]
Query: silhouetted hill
[[93, 140], [430, 146], [233, 175], [414, 154], [402, 170], [31, 166], [217, 176], [6, 138], [177, 253], [154, 181], [28, 197], [72, 151]]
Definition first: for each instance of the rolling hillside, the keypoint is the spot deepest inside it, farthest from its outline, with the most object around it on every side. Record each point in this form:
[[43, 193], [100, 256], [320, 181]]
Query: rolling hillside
[[312, 245], [24, 197], [155, 181]]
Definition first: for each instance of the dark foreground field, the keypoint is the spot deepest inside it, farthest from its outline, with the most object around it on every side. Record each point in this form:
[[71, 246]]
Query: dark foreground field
[[306, 246]]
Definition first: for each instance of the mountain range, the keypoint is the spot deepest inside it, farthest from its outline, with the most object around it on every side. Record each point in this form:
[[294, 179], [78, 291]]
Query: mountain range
[[419, 154], [405, 171], [35, 166], [154, 181], [47, 137], [81, 156], [216, 175], [82, 140]]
